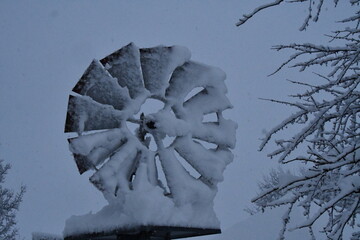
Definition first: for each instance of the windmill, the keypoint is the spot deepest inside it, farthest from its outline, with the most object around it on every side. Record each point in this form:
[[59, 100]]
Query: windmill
[[178, 140]]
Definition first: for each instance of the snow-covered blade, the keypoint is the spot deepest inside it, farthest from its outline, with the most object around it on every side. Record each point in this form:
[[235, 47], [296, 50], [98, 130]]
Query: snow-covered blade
[[107, 103], [157, 65], [124, 65], [91, 150], [98, 84], [84, 114]]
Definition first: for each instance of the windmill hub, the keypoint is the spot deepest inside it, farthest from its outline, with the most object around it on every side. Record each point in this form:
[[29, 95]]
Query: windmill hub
[[150, 124], [109, 95]]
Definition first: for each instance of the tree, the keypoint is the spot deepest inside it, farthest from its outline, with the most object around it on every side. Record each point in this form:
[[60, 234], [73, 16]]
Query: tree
[[9, 205], [328, 118]]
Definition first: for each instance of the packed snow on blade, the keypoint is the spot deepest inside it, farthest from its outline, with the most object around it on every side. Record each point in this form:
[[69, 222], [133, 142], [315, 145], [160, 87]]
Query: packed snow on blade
[[157, 169]]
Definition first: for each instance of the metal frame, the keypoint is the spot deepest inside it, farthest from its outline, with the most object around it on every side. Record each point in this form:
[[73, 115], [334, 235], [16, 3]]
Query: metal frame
[[146, 233]]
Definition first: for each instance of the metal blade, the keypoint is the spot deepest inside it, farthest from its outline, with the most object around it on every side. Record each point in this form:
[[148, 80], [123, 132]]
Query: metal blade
[[97, 83], [115, 174], [124, 65], [157, 65], [192, 75], [84, 114], [91, 150]]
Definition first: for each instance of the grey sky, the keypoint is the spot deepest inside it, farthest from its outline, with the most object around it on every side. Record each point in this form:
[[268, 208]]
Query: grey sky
[[45, 46]]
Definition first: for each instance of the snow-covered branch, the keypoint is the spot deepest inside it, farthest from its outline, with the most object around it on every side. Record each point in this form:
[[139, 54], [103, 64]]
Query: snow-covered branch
[[9, 204], [327, 125], [258, 9]]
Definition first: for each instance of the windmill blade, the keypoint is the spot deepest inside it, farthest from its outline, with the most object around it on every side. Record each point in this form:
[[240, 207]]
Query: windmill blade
[[98, 84], [115, 174], [84, 114], [203, 160], [91, 150], [182, 185], [158, 63], [124, 65], [192, 75], [209, 100], [221, 133]]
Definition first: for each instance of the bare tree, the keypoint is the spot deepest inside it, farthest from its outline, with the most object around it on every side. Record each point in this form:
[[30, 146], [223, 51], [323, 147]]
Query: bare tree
[[269, 182], [9, 204], [328, 115]]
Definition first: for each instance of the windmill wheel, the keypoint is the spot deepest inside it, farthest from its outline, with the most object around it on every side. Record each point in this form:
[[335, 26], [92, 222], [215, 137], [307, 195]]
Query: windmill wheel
[[107, 100]]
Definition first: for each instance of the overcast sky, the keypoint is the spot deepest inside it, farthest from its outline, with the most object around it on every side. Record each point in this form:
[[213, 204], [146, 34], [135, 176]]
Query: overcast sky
[[45, 46]]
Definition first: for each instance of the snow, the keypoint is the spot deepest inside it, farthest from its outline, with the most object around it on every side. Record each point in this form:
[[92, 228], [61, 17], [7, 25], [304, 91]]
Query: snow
[[95, 147], [206, 162], [98, 84], [221, 132], [185, 189], [155, 210], [87, 115], [124, 65], [158, 63], [111, 94], [207, 101], [112, 177], [168, 124], [192, 75]]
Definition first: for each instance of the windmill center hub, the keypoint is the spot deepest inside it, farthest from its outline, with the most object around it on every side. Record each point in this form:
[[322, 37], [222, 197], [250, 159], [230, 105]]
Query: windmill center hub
[[151, 125]]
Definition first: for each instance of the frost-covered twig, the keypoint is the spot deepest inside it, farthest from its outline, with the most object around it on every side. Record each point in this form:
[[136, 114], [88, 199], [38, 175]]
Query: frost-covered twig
[[257, 10], [312, 14], [327, 123]]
